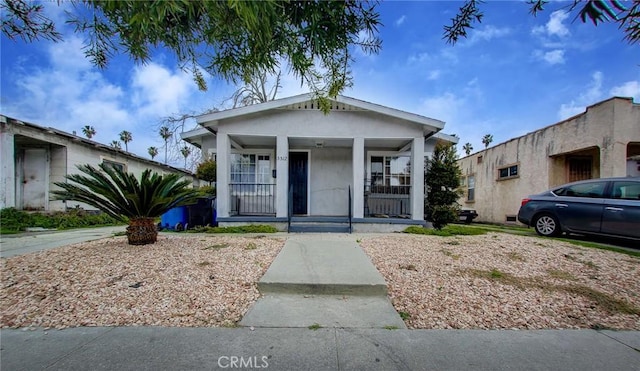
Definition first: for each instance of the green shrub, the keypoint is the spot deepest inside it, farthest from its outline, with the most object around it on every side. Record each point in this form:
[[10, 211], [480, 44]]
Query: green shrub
[[449, 230], [207, 190], [13, 220]]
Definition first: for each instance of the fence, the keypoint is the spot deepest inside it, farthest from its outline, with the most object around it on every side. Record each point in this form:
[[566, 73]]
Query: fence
[[252, 199]]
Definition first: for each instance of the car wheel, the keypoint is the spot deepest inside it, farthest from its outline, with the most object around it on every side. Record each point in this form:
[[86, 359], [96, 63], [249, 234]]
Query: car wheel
[[547, 225]]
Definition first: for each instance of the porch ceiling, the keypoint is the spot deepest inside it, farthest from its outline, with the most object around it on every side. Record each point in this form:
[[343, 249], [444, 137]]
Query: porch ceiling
[[246, 141], [253, 141]]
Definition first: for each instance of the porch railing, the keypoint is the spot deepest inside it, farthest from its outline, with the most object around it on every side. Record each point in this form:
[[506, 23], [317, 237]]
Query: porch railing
[[252, 199], [387, 200], [350, 212], [289, 208]]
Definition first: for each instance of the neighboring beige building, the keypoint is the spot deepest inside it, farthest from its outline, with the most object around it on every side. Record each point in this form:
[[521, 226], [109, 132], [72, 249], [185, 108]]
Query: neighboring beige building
[[602, 142], [33, 158]]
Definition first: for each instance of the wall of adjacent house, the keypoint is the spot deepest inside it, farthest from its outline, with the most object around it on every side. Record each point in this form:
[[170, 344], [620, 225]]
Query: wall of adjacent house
[[602, 132], [63, 154], [7, 168], [331, 175]]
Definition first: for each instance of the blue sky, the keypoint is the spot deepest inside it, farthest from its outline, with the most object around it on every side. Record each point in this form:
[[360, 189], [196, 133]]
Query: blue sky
[[515, 73]]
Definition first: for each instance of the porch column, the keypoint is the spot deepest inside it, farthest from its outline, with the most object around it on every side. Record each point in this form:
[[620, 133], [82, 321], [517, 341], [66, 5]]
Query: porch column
[[417, 179], [8, 183], [282, 176], [357, 193], [222, 174]]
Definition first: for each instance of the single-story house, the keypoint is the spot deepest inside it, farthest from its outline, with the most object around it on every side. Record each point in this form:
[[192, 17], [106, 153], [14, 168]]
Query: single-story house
[[602, 142], [33, 158], [287, 163]]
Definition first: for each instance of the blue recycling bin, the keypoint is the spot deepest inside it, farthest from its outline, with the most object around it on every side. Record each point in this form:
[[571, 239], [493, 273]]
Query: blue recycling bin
[[175, 219]]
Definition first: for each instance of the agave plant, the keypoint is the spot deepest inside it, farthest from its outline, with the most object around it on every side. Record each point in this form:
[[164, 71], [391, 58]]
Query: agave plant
[[124, 197]]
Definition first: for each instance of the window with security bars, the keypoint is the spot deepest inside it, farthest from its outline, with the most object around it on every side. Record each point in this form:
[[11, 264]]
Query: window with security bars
[[390, 174], [251, 173], [579, 168]]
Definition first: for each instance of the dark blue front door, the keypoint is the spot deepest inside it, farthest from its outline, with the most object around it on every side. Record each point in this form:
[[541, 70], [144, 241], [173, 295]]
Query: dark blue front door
[[298, 177]]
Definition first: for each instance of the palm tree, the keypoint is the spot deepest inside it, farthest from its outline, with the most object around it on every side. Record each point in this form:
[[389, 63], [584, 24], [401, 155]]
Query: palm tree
[[165, 133], [467, 148], [186, 151], [88, 131], [115, 144], [153, 152], [122, 196], [126, 137], [487, 139]]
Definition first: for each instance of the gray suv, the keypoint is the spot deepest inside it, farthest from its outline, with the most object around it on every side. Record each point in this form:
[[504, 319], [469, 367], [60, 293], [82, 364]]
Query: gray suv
[[606, 207]]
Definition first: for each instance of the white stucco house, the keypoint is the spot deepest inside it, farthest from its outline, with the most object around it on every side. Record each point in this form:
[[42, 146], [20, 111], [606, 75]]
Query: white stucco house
[[286, 163], [33, 158]]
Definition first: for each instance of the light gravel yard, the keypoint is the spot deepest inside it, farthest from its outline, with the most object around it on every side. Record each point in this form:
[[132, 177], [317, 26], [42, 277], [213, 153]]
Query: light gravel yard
[[502, 281], [493, 281], [184, 280]]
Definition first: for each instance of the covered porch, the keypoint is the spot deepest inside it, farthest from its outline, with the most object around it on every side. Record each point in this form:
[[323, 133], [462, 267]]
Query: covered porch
[[288, 159], [285, 179]]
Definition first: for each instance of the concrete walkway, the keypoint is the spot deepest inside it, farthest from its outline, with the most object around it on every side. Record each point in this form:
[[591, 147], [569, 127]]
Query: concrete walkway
[[24, 243], [327, 281]]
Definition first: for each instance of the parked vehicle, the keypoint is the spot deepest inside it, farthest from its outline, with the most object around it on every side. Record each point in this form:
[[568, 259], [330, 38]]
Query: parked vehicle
[[467, 215], [606, 207]]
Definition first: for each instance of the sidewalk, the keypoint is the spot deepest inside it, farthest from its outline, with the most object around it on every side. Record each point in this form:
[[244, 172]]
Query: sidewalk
[[24, 243], [158, 348]]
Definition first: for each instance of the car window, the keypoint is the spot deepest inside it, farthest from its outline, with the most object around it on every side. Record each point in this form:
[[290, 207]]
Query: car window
[[594, 190], [626, 190]]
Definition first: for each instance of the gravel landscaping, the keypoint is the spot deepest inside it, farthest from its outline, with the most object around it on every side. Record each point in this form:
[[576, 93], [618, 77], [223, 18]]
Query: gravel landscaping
[[502, 281], [179, 281], [492, 281]]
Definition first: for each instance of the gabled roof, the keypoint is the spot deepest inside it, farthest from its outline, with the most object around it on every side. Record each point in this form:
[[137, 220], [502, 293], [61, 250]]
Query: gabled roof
[[342, 103]]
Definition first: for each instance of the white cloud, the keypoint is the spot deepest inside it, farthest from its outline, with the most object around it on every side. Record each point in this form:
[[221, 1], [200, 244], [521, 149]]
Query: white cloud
[[400, 20], [66, 91], [67, 84], [419, 58], [552, 57], [158, 91], [487, 33], [434, 75], [592, 94], [628, 89], [444, 107], [554, 27]]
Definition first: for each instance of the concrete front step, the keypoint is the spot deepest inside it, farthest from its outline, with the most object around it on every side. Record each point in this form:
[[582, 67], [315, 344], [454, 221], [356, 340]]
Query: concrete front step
[[322, 266], [283, 310], [319, 228]]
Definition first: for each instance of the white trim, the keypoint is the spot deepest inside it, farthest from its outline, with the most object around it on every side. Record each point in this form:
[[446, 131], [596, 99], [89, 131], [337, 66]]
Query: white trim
[[195, 133], [449, 138], [308, 151]]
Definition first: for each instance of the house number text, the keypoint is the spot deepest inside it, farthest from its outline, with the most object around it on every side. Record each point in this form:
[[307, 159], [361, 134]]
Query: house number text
[[282, 158]]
